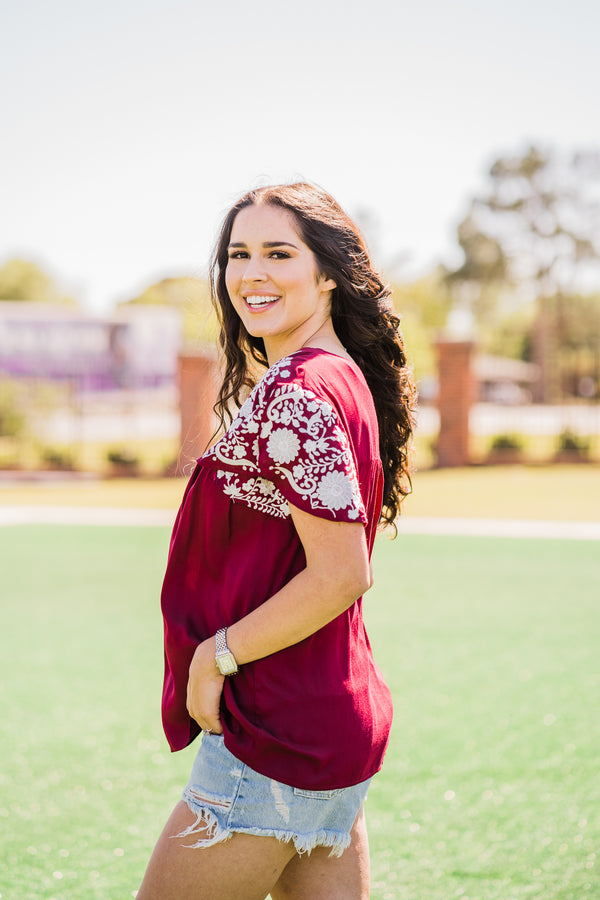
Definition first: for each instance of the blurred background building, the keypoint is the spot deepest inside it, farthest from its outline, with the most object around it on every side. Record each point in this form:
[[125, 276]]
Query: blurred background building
[[134, 349]]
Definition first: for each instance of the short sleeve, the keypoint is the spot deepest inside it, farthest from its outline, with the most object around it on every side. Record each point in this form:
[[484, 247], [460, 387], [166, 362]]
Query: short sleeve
[[304, 451]]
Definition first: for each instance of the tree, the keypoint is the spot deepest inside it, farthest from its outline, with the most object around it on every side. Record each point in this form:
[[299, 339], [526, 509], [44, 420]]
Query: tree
[[532, 236], [23, 280], [191, 296], [423, 307], [578, 331]]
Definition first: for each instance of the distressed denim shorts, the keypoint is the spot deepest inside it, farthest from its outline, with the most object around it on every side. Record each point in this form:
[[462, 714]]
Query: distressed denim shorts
[[228, 796]]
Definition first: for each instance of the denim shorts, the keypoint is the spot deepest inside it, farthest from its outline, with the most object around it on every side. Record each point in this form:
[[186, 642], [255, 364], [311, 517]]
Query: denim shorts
[[228, 796]]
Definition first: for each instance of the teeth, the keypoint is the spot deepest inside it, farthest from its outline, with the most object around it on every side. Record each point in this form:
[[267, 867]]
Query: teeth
[[260, 300]]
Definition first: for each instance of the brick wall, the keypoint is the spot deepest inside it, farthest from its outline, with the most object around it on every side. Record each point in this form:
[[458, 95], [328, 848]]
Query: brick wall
[[198, 387], [455, 397]]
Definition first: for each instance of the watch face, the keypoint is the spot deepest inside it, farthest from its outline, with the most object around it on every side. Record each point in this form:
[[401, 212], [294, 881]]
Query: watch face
[[226, 663]]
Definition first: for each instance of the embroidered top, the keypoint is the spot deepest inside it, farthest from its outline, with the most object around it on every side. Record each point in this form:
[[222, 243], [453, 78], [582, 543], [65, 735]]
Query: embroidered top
[[315, 715]]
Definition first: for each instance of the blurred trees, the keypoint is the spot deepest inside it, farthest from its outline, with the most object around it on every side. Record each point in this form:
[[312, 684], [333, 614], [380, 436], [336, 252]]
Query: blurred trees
[[191, 296], [423, 307], [531, 246], [22, 279]]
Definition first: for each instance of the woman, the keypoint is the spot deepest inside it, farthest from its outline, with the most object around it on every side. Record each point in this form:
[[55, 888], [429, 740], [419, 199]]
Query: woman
[[265, 647]]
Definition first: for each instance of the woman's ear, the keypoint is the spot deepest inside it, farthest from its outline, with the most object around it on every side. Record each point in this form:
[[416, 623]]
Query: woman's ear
[[327, 284]]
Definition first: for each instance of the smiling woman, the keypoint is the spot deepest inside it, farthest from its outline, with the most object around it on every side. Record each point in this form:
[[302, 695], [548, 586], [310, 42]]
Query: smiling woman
[[274, 284], [265, 646]]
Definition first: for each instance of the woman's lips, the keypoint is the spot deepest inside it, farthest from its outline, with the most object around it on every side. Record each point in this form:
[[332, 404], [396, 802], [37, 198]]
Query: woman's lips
[[261, 301]]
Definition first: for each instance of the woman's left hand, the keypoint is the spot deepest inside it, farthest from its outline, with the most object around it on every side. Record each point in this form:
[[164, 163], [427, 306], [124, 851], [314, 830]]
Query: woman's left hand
[[204, 689]]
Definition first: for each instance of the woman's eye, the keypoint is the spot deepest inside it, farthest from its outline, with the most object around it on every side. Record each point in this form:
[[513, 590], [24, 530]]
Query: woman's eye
[[244, 254]]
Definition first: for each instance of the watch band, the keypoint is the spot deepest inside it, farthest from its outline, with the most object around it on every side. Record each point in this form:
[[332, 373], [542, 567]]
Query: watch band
[[224, 658]]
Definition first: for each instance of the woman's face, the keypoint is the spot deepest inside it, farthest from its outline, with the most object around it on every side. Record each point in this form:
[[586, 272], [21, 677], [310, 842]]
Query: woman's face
[[273, 281]]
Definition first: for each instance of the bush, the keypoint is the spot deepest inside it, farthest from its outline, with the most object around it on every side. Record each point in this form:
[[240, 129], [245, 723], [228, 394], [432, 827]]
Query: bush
[[121, 457], [568, 442], [123, 461], [507, 442], [12, 417], [56, 458]]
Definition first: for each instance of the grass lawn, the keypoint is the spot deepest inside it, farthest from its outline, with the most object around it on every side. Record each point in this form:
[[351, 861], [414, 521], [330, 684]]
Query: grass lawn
[[491, 786]]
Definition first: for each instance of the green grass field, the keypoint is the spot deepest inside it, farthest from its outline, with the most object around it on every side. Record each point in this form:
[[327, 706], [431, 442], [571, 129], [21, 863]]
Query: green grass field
[[491, 786]]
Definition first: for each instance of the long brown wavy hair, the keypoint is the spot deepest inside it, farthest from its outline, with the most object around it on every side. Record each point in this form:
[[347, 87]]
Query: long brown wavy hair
[[363, 318]]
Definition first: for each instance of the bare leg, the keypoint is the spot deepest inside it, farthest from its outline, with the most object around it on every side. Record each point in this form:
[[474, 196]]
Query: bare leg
[[244, 867], [321, 877]]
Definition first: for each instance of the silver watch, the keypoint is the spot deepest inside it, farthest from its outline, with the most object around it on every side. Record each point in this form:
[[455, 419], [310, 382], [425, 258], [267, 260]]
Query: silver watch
[[224, 658]]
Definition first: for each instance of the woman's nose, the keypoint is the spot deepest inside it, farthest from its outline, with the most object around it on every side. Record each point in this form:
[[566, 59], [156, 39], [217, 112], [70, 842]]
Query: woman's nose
[[254, 270]]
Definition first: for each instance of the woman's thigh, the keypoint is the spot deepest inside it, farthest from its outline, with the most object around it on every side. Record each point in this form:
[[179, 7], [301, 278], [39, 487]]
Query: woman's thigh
[[244, 867], [319, 876]]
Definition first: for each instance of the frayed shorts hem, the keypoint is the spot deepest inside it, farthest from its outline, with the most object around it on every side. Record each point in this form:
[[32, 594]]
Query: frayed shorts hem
[[207, 822]]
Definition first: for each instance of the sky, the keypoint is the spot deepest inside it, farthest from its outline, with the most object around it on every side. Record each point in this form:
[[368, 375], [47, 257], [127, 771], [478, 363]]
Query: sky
[[129, 128]]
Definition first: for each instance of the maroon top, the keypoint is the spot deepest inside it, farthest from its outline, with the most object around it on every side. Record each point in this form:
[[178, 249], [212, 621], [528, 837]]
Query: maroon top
[[316, 715]]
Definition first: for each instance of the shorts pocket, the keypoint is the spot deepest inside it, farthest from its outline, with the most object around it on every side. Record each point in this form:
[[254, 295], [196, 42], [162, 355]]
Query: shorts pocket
[[212, 782], [317, 795]]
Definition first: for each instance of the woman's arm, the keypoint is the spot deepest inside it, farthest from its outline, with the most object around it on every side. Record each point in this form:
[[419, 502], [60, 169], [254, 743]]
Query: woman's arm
[[337, 573]]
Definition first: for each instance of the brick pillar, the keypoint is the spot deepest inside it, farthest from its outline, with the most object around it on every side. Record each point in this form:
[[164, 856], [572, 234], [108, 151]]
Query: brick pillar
[[198, 388], [455, 397]]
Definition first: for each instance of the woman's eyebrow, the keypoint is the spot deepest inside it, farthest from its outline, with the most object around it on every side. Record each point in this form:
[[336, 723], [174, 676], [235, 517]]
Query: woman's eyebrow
[[269, 244]]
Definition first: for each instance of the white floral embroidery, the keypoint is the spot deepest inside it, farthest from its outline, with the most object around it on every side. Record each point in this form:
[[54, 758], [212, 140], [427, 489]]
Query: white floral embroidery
[[335, 490], [266, 487], [280, 423], [257, 493], [283, 445]]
